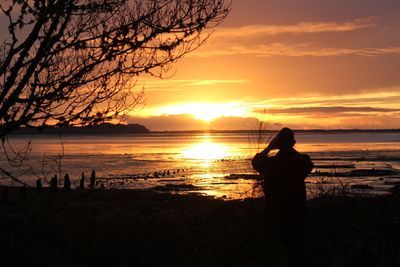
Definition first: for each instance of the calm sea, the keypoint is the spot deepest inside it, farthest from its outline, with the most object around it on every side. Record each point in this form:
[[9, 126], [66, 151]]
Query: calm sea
[[207, 163]]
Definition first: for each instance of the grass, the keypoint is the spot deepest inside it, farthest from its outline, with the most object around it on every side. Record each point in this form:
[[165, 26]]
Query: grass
[[143, 228]]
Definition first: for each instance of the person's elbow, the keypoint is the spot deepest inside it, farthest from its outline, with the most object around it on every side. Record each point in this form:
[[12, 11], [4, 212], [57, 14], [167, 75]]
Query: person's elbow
[[257, 162]]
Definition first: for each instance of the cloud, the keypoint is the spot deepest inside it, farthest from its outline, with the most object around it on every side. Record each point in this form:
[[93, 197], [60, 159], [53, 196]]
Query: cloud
[[185, 122], [373, 122], [181, 122], [214, 82], [252, 31], [350, 118], [292, 50], [250, 40], [387, 97], [177, 85], [365, 110], [327, 110], [234, 123]]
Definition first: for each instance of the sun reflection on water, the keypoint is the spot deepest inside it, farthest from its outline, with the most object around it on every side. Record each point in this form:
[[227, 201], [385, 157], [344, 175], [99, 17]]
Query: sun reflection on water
[[206, 151]]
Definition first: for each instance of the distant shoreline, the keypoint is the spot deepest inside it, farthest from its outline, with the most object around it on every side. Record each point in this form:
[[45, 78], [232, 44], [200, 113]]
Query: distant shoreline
[[142, 130], [295, 130], [103, 129]]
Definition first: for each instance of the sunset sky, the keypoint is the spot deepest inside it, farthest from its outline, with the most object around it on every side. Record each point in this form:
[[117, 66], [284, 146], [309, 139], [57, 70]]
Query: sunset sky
[[301, 63]]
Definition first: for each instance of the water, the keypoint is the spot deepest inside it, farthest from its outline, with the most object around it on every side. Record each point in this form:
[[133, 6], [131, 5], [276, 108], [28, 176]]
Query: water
[[216, 164]]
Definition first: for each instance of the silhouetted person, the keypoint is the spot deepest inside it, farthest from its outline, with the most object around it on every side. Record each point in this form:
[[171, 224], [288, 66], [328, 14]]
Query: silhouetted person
[[93, 179], [53, 183], [82, 182], [39, 184], [67, 182], [285, 192]]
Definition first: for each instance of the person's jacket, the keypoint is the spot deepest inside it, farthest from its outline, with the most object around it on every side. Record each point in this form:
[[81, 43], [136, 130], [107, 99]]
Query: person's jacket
[[284, 176]]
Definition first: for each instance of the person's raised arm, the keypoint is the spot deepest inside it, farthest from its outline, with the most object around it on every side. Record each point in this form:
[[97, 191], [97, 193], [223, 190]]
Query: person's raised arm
[[273, 144]]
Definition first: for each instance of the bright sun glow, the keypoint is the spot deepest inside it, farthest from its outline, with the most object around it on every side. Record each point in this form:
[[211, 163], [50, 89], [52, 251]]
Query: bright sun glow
[[207, 111], [205, 151]]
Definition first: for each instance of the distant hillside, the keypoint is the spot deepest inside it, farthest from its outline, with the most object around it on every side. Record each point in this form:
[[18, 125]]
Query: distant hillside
[[105, 128]]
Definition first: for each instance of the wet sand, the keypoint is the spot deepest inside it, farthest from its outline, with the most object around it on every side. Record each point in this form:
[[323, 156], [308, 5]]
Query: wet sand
[[145, 228]]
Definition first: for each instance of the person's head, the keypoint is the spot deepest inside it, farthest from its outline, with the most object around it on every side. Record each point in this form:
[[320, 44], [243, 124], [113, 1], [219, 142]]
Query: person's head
[[285, 138]]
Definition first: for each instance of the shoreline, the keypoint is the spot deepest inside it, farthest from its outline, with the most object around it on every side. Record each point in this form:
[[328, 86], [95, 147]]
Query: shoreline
[[144, 228], [70, 132]]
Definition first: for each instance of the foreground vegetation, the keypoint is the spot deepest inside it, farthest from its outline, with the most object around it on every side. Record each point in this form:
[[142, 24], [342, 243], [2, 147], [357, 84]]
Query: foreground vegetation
[[143, 228]]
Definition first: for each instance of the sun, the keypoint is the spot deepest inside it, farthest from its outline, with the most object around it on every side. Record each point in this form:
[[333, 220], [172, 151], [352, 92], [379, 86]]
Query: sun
[[206, 112], [207, 115]]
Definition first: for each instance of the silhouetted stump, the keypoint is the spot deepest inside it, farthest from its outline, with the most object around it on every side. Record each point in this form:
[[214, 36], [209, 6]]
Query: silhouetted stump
[[67, 182], [82, 182], [93, 180], [361, 186], [22, 192], [4, 195], [39, 184], [53, 183], [395, 190]]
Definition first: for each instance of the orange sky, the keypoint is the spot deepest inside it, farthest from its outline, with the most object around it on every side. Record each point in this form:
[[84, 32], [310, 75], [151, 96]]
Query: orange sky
[[302, 63]]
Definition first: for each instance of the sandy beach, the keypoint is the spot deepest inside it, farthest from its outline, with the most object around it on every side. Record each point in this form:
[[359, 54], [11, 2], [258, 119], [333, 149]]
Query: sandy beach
[[144, 228]]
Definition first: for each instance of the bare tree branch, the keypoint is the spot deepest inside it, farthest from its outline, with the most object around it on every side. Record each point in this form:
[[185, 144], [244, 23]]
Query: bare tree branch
[[75, 62]]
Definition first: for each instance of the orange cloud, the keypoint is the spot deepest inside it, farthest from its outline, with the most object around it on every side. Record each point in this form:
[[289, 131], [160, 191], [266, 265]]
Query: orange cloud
[[250, 40], [185, 122], [252, 31], [290, 50], [327, 110], [177, 85], [378, 97]]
